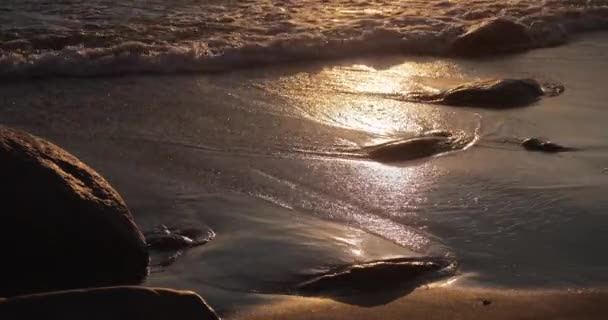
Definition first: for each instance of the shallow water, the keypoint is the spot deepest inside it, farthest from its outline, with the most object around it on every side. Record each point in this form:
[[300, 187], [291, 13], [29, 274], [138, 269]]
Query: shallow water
[[242, 153]]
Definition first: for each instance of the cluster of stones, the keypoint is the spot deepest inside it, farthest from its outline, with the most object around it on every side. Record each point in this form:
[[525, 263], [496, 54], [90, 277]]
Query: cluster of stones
[[66, 234]]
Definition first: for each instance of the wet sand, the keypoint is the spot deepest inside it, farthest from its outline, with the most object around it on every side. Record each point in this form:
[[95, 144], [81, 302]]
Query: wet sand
[[445, 303]]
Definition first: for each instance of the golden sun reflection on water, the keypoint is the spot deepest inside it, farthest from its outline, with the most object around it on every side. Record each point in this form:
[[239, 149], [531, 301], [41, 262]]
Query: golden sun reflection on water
[[379, 198], [360, 97], [365, 97], [371, 80]]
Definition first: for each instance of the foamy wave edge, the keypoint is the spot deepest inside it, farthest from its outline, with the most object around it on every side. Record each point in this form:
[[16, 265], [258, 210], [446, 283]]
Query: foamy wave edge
[[141, 58]]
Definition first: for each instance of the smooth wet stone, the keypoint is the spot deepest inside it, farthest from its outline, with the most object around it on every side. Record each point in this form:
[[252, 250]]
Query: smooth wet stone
[[493, 36], [535, 144], [378, 276], [173, 240], [549, 34], [109, 303], [423, 146], [493, 94], [503, 92], [63, 225]]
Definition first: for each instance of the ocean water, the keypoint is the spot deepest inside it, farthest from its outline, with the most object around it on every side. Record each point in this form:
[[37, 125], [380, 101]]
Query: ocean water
[[85, 38], [255, 153]]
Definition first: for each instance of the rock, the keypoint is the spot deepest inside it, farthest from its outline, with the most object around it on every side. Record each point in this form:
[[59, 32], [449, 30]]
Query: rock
[[172, 241], [494, 93], [63, 225], [378, 276], [109, 303], [535, 144], [426, 145], [165, 238], [549, 35], [493, 36]]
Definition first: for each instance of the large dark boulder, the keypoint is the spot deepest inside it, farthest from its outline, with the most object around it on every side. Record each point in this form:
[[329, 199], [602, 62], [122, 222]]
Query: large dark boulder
[[130, 303], [493, 36], [62, 225]]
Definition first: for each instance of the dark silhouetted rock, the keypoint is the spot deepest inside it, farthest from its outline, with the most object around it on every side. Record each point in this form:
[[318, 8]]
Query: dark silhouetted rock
[[63, 225], [378, 276], [535, 144], [494, 94], [131, 303], [426, 145], [549, 34], [503, 92], [171, 241], [493, 37]]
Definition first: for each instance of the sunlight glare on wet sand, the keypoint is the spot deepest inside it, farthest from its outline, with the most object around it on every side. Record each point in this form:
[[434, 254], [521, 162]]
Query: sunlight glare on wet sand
[[359, 102], [366, 98]]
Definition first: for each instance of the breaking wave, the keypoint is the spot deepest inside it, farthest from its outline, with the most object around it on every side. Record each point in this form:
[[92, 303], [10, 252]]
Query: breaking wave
[[291, 33]]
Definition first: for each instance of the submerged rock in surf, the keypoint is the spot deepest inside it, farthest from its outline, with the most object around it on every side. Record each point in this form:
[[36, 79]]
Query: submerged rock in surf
[[109, 303], [549, 34], [172, 241], [493, 36], [535, 144], [64, 226], [426, 145], [502, 93], [378, 276]]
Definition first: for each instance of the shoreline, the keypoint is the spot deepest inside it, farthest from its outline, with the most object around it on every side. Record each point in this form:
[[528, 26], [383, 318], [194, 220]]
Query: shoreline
[[222, 69], [278, 129], [141, 59], [129, 164]]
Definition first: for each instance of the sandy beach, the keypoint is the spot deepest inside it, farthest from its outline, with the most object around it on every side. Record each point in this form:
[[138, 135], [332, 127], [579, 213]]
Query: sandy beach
[[447, 303], [258, 155]]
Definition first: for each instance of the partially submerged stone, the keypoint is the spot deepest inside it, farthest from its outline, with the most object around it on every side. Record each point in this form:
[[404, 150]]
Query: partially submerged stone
[[548, 34], [172, 241], [494, 36], [426, 145], [493, 93], [378, 276], [503, 92], [63, 225], [535, 144], [109, 303]]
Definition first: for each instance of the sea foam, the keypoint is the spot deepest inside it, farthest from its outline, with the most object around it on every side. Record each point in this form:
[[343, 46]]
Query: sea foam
[[88, 40]]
